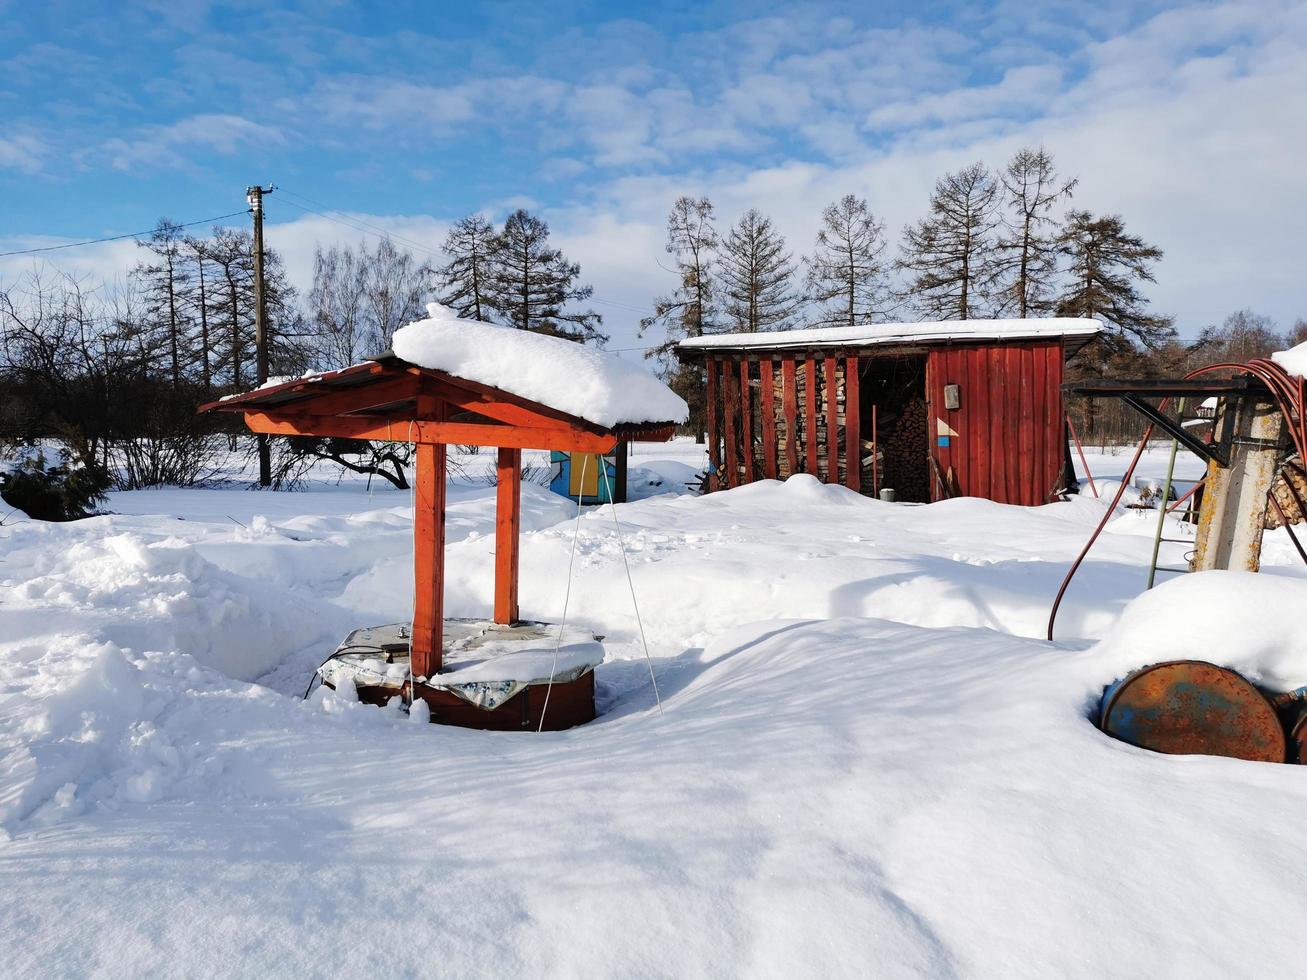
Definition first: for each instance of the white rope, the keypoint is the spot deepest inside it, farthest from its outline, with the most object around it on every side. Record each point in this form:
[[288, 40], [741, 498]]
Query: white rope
[[631, 584], [567, 594]]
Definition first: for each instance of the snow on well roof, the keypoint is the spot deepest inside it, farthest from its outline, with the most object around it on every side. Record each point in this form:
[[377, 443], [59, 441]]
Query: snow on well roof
[[561, 374], [928, 332]]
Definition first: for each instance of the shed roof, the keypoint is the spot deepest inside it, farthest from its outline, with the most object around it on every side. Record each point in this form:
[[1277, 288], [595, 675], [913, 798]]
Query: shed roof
[[928, 333]]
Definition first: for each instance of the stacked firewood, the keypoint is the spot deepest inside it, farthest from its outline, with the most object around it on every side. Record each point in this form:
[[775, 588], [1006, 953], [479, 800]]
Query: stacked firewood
[[903, 443], [1290, 498]]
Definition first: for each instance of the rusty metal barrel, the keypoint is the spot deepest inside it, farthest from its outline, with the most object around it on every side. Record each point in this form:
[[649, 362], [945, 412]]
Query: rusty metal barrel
[[1191, 707]]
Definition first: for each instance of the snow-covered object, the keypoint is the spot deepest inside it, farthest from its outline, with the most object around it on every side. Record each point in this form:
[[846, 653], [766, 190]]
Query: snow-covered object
[[1293, 360], [871, 334], [561, 374]]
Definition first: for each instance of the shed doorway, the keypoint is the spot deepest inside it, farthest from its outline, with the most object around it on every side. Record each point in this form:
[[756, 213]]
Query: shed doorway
[[893, 397]]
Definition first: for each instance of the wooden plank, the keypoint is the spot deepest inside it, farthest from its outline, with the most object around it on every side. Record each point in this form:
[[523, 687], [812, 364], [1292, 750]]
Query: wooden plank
[[832, 425], [811, 419], [979, 443], [789, 405], [1025, 366], [746, 420], [428, 550], [852, 427], [508, 528], [710, 416], [324, 401], [1041, 477], [730, 437], [428, 432], [767, 415]]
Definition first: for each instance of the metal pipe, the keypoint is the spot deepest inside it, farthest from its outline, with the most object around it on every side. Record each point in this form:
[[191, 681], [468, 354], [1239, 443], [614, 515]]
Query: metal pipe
[[1083, 462]]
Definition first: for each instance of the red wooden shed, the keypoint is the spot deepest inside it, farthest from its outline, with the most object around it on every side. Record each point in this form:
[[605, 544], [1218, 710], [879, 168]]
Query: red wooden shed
[[931, 410], [391, 399]]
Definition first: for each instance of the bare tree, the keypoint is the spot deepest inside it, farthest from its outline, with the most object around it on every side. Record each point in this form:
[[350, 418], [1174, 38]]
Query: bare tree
[[756, 276], [1025, 266], [947, 255], [846, 273], [165, 279]]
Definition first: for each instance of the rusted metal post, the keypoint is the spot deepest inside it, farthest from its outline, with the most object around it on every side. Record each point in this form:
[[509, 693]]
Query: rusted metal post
[[1233, 514]]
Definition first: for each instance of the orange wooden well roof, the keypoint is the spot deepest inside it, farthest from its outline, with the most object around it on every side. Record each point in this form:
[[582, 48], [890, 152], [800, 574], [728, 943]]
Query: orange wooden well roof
[[380, 399]]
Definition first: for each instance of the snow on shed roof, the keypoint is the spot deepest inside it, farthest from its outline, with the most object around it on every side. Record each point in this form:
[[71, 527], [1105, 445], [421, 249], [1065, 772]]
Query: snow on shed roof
[[560, 374], [928, 332]]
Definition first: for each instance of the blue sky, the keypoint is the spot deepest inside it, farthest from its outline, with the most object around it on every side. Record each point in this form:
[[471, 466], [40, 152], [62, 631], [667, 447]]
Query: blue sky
[[1186, 119]]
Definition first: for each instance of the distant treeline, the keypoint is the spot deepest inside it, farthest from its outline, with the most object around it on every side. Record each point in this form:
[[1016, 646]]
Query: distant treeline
[[114, 371]]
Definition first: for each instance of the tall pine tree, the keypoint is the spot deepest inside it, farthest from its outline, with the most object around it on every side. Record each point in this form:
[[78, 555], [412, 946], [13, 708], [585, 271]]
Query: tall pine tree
[[948, 255], [756, 276], [1107, 264], [465, 280], [690, 309], [533, 284], [1025, 266], [846, 274]]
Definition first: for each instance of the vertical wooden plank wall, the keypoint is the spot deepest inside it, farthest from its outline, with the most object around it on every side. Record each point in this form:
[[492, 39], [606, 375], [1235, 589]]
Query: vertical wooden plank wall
[[1008, 445], [790, 404], [829, 394], [810, 415], [730, 436], [852, 426], [746, 420], [710, 412], [767, 416]]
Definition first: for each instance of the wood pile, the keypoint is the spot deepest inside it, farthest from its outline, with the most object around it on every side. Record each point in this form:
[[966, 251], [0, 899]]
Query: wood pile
[[1289, 498], [904, 444]]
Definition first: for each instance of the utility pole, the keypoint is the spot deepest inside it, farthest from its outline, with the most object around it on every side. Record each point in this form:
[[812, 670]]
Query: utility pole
[[254, 195]]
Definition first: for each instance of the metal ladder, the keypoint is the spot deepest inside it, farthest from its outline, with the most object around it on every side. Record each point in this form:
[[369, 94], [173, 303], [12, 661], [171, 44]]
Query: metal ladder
[[1153, 567]]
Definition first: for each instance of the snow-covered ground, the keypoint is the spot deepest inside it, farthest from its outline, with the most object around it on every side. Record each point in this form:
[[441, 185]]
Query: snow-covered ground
[[869, 763]]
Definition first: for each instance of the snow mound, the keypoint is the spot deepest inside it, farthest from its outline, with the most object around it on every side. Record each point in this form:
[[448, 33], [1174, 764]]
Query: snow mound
[[1293, 360], [1251, 623], [561, 374]]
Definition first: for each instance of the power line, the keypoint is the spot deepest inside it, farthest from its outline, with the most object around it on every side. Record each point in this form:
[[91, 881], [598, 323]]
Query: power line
[[114, 238]]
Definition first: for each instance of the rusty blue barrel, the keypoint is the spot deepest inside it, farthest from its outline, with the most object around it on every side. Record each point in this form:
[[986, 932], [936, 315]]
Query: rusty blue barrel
[[1191, 707]]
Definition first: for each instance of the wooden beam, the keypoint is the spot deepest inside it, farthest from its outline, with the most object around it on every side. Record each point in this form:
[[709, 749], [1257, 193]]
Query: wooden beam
[[832, 425], [810, 420], [710, 417], [324, 401], [852, 427], [428, 432], [730, 402], [746, 420], [429, 551], [508, 527], [789, 403], [767, 415]]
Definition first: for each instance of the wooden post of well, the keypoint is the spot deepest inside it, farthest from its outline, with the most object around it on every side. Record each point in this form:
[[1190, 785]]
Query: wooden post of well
[[429, 548], [508, 528]]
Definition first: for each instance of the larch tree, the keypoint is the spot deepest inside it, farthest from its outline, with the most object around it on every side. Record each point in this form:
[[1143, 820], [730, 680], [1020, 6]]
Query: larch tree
[[337, 307], [199, 302], [846, 273], [165, 279], [1025, 262], [1106, 267], [948, 255], [689, 311], [464, 281], [533, 285], [756, 276]]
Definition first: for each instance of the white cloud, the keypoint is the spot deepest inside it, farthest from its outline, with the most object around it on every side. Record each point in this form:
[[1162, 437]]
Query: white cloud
[[21, 152], [173, 145]]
